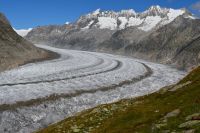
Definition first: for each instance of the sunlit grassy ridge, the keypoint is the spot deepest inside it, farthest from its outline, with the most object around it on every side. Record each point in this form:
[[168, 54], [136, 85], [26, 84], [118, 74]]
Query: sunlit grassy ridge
[[173, 109]]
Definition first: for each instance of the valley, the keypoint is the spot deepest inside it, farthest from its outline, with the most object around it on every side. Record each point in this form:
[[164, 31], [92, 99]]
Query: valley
[[109, 69], [35, 95]]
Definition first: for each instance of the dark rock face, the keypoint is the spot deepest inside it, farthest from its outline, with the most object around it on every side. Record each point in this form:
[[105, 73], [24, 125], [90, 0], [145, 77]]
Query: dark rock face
[[69, 36], [15, 50], [47, 34], [176, 42]]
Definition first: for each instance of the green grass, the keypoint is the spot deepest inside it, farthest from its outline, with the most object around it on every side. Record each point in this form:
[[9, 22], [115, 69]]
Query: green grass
[[141, 114]]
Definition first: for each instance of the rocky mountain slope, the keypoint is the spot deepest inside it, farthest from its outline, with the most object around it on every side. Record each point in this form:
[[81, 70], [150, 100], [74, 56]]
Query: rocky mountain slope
[[15, 50], [176, 43], [157, 34]]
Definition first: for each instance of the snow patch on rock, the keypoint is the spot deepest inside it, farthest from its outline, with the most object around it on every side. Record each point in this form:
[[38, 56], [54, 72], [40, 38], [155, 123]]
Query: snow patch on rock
[[133, 21], [123, 22], [107, 23], [88, 26], [96, 12], [150, 22], [174, 14]]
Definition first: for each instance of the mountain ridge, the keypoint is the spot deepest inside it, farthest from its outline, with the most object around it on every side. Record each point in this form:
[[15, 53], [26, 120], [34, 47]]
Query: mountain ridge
[[127, 32], [126, 18]]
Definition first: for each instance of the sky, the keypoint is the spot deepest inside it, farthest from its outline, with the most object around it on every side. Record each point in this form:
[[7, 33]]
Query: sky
[[24, 14]]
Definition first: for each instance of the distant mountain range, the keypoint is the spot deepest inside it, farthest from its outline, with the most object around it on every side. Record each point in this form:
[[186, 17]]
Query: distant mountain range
[[15, 50], [165, 35]]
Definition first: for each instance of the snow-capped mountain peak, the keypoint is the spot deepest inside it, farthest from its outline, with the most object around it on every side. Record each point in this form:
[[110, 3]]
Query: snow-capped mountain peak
[[96, 12], [153, 17], [67, 22], [156, 9], [129, 12], [22, 32]]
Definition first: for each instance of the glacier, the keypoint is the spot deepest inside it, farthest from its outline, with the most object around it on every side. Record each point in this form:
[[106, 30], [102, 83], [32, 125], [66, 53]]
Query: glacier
[[35, 95]]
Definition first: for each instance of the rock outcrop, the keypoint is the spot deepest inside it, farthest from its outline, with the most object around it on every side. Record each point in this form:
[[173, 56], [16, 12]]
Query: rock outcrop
[[15, 50]]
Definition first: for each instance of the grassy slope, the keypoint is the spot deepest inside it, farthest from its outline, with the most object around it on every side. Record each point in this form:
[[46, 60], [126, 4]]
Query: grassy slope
[[144, 114]]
